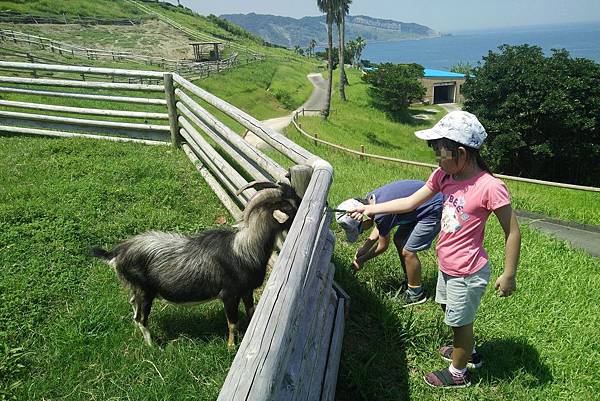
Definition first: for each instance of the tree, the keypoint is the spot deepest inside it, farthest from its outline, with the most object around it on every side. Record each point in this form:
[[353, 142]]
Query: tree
[[360, 46], [327, 7], [540, 113], [463, 67], [311, 47], [342, 8], [394, 87]]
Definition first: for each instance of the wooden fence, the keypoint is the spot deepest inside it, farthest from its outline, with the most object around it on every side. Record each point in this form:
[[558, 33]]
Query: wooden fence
[[184, 67], [291, 349]]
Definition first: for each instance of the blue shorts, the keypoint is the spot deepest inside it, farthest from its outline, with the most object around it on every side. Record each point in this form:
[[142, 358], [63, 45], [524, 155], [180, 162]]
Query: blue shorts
[[416, 237]]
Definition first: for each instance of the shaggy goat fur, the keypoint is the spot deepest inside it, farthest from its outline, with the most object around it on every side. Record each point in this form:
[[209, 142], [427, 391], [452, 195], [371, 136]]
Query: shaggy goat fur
[[219, 263]]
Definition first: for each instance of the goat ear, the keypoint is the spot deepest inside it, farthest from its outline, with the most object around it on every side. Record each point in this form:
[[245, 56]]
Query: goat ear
[[280, 216]]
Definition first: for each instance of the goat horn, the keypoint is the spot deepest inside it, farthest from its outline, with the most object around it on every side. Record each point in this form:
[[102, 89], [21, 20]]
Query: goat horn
[[257, 185]]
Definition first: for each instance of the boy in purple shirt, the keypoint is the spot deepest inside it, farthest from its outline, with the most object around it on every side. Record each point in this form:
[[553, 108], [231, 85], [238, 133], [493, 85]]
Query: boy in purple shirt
[[416, 231]]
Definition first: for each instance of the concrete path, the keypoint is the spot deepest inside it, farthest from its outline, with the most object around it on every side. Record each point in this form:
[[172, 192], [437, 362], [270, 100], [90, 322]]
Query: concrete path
[[316, 101], [450, 106], [581, 236]]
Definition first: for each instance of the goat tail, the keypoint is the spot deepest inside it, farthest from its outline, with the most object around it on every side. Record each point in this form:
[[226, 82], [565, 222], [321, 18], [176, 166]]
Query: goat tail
[[101, 253]]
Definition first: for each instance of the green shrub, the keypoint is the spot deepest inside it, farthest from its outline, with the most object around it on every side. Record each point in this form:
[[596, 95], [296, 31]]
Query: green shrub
[[394, 87]]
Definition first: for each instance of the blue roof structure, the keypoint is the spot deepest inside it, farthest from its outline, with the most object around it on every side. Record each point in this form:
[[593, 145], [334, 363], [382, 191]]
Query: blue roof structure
[[429, 73]]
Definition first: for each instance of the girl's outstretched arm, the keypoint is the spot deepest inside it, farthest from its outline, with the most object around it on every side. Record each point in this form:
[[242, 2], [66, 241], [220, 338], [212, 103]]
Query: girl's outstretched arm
[[397, 206], [506, 284]]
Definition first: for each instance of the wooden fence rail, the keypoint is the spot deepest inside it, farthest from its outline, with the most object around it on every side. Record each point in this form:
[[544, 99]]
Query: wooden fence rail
[[186, 67], [292, 347]]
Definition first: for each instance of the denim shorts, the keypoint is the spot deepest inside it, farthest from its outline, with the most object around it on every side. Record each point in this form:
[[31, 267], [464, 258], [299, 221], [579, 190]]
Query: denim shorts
[[461, 295], [416, 237]]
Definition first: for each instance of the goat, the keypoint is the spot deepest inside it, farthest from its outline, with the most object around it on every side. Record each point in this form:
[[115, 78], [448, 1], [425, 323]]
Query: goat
[[218, 263]]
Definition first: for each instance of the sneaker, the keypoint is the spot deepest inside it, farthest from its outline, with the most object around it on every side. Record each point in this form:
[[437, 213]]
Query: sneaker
[[475, 360], [401, 289], [408, 299], [445, 379]]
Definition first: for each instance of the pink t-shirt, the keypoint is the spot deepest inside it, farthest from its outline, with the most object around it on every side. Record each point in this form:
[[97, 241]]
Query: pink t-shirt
[[467, 206]]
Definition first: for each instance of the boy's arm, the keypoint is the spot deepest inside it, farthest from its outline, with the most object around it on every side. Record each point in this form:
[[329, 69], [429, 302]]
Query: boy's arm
[[367, 251], [397, 206], [368, 244], [506, 283]]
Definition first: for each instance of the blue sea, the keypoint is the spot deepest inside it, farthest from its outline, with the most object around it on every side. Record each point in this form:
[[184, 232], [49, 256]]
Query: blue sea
[[581, 40]]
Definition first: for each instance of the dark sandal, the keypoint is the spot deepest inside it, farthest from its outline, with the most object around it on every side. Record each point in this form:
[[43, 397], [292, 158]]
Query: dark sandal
[[445, 379]]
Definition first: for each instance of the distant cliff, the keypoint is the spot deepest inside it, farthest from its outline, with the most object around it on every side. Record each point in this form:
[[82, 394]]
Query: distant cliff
[[286, 31]]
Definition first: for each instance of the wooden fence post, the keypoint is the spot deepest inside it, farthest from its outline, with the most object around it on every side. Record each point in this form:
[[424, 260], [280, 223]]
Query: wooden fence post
[[362, 151], [170, 98]]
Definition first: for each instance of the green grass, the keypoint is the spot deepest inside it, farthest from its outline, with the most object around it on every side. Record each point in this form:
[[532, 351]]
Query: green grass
[[355, 123], [539, 344], [65, 323], [107, 9]]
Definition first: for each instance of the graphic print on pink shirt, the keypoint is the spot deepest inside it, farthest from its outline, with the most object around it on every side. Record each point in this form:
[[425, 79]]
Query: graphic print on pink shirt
[[467, 206]]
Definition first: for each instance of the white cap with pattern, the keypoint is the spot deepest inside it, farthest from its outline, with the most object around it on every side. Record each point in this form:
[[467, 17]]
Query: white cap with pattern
[[351, 227], [459, 126]]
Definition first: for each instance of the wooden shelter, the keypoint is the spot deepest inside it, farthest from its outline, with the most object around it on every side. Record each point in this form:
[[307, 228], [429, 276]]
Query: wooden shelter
[[206, 51]]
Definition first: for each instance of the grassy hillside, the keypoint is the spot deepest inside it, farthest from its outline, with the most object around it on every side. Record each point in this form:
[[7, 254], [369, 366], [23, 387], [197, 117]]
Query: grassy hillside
[[105, 9]]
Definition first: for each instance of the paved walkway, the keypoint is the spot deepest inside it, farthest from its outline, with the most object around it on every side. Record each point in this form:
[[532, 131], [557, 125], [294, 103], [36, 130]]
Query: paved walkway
[[316, 101], [582, 236]]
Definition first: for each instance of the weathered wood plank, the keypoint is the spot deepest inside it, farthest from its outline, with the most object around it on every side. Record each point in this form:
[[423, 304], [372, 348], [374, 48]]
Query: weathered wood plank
[[314, 298], [82, 110], [250, 153], [62, 134], [229, 173], [342, 294], [335, 351], [208, 162], [81, 84], [231, 151], [74, 95], [260, 360], [321, 351], [80, 69], [281, 143], [170, 98], [84, 122], [221, 193]]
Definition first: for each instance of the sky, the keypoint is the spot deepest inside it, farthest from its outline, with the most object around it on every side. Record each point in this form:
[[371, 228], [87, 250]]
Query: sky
[[440, 15]]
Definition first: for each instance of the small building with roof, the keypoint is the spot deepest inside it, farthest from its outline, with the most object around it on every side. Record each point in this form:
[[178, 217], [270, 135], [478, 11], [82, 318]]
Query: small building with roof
[[442, 86]]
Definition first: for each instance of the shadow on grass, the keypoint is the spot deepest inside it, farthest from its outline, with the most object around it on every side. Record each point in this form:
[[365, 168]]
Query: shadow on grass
[[373, 139], [508, 358], [373, 365], [195, 324]]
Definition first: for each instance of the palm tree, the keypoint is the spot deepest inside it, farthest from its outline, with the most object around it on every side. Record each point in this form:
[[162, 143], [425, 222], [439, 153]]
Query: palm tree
[[327, 7], [311, 47], [360, 46], [342, 8]]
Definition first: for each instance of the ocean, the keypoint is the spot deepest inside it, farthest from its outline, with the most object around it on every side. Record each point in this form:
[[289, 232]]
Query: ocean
[[581, 40]]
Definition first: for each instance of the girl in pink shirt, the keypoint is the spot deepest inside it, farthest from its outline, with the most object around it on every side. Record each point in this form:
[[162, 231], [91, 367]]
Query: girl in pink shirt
[[471, 194]]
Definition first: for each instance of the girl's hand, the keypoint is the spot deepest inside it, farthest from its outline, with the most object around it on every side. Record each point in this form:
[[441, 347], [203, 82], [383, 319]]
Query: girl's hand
[[506, 285], [357, 212]]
